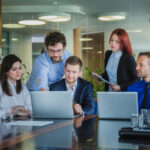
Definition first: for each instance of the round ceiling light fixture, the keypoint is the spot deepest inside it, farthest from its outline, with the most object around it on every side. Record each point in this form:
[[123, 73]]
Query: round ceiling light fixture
[[31, 22], [55, 17], [112, 16], [13, 26]]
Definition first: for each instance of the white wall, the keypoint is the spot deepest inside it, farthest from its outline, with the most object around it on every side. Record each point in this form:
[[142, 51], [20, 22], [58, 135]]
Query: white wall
[[69, 38]]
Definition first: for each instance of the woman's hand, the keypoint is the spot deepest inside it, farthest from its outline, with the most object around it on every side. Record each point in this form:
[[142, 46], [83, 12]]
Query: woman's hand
[[23, 113], [20, 111], [115, 87], [94, 76]]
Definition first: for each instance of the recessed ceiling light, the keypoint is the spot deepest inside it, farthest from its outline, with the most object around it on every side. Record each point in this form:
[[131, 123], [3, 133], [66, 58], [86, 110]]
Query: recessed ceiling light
[[99, 52], [13, 26], [31, 22], [14, 39], [55, 17], [134, 31], [85, 39], [36, 39], [87, 48], [3, 40], [112, 16]]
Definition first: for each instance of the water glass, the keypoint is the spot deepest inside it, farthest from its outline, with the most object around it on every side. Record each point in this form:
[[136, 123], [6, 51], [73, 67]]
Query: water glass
[[7, 117], [134, 120], [140, 121], [146, 117]]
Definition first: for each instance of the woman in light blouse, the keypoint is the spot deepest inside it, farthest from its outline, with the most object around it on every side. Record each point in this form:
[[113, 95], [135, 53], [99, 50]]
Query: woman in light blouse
[[120, 65], [14, 96]]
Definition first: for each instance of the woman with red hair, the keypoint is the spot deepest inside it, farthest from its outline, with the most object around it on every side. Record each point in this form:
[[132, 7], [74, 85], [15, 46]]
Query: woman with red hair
[[120, 65]]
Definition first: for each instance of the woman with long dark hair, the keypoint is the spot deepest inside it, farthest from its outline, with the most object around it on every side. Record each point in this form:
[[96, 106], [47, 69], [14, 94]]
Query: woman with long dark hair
[[14, 96], [120, 65]]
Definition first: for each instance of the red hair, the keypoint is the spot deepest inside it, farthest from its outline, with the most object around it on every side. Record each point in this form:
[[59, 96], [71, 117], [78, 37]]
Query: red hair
[[124, 40]]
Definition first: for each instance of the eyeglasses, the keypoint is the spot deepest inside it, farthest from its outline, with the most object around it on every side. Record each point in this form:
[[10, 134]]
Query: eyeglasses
[[57, 51]]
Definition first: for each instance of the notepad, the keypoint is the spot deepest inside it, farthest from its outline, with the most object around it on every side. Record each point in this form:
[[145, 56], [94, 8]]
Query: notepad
[[29, 123]]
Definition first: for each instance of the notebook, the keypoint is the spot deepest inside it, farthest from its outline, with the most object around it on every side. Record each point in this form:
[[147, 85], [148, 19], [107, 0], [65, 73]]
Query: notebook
[[52, 104], [117, 105]]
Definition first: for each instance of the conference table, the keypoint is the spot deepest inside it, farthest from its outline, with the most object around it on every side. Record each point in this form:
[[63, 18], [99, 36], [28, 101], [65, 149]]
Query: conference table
[[88, 133]]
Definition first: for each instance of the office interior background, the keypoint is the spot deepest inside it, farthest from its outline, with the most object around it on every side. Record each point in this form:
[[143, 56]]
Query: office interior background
[[87, 34]]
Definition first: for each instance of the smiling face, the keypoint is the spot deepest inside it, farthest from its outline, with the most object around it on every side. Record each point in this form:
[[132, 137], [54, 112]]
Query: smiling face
[[15, 72], [72, 72], [143, 67], [115, 43], [56, 52]]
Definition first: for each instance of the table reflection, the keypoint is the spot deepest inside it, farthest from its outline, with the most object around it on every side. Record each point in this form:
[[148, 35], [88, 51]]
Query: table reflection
[[85, 132], [7, 131], [108, 136], [61, 138]]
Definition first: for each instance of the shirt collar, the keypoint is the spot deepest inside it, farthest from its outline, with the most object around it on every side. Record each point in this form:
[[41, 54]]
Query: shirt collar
[[74, 86], [118, 54], [11, 84], [145, 82]]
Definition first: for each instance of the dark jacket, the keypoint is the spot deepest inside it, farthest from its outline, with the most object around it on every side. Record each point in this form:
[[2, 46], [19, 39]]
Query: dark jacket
[[126, 72], [83, 94]]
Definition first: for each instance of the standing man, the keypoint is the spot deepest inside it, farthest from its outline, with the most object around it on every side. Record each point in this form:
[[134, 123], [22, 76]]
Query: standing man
[[143, 87], [82, 90], [49, 66]]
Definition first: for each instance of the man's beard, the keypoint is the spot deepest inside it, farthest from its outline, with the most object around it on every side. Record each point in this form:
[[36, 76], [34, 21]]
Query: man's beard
[[59, 60]]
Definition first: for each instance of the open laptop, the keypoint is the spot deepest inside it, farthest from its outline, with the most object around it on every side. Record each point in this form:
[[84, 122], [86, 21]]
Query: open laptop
[[117, 105], [52, 104]]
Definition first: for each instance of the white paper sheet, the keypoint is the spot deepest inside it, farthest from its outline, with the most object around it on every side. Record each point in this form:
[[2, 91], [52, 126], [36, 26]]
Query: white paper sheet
[[29, 123]]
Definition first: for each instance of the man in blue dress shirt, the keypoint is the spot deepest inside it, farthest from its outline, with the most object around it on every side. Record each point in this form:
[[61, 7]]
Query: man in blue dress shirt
[[49, 67], [82, 90], [143, 71]]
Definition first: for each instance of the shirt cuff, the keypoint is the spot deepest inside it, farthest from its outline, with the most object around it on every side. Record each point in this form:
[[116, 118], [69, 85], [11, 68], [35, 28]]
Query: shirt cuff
[[83, 113]]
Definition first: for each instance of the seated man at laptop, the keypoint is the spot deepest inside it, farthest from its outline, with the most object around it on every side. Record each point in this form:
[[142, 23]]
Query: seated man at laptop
[[142, 87], [82, 90]]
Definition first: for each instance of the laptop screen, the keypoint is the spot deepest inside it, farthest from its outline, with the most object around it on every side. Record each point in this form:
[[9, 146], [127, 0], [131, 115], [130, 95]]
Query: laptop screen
[[52, 104], [117, 105]]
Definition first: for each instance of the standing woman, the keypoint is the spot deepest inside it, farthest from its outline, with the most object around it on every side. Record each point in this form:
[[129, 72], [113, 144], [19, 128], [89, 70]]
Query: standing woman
[[120, 65], [14, 96]]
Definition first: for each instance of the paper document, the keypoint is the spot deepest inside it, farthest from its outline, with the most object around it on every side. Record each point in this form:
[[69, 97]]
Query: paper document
[[100, 77], [29, 123]]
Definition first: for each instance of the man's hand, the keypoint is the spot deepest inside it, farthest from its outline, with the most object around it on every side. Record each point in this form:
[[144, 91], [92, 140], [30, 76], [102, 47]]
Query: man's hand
[[78, 121], [43, 89], [115, 87], [78, 109]]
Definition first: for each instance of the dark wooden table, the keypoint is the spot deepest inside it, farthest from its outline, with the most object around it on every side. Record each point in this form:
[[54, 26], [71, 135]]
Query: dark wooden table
[[78, 134]]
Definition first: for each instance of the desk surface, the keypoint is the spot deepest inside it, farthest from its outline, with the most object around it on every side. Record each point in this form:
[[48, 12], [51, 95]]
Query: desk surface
[[79, 134]]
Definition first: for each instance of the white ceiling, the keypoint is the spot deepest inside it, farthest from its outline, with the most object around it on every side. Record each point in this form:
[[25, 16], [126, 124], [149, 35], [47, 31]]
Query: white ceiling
[[138, 15], [138, 11]]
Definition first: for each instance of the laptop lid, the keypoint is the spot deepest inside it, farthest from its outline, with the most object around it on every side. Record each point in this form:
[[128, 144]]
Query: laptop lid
[[52, 104], [117, 105]]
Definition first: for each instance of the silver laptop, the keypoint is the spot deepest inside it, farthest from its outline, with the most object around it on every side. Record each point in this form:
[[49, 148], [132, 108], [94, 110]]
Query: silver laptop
[[52, 104], [117, 105]]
